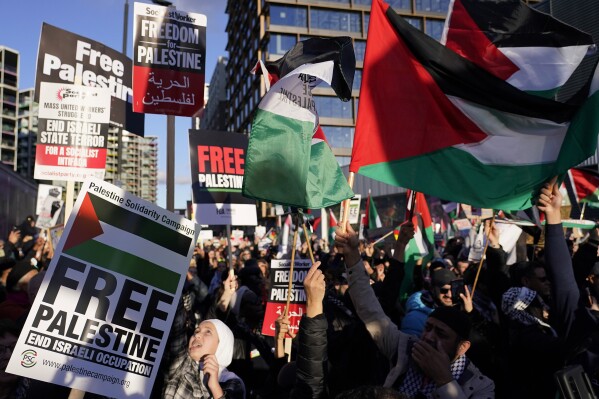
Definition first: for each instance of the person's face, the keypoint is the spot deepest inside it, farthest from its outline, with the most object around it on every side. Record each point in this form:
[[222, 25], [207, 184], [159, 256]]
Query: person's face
[[263, 268], [245, 255], [443, 295], [461, 267], [539, 282], [204, 341], [440, 336], [7, 344]]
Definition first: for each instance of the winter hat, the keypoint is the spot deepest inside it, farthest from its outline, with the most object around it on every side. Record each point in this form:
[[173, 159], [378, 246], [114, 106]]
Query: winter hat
[[455, 319], [514, 303], [224, 351], [441, 277]]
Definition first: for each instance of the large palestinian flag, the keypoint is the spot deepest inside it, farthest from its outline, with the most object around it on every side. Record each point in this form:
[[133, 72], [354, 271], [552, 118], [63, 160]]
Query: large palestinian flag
[[585, 184], [435, 122], [529, 49], [288, 160]]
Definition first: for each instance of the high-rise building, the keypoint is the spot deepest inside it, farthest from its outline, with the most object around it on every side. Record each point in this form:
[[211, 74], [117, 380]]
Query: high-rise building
[[140, 164], [27, 133], [214, 117], [9, 98], [266, 29]]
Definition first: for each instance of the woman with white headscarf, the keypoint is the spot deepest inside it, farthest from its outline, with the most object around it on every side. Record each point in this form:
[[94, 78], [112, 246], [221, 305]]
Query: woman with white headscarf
[[198, 367]]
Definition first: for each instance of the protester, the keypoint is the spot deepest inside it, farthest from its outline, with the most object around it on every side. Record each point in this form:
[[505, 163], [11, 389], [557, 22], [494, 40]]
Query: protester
[[197, 367], [433, 365]]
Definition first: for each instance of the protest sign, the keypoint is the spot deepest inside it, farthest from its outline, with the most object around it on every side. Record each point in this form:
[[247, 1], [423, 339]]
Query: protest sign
[[55, 235], [354, 210], [73, 132], [169, 48], [102, 316], [64, 57], [236, 237], [217, 167], [277, 295], [49, 204]]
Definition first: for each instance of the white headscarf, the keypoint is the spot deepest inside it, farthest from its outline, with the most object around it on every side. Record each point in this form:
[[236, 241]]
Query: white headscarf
[[224, 351]]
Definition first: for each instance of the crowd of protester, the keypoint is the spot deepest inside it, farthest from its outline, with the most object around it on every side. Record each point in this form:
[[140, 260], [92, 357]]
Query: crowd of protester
[[511, 332]]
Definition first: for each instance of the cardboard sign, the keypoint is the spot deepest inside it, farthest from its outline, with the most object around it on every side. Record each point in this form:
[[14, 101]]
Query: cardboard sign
[[49, 205], [277, 296], [354, 210], [102, 316], [217, 168], [169, 48], [67, 58], [73, 132]]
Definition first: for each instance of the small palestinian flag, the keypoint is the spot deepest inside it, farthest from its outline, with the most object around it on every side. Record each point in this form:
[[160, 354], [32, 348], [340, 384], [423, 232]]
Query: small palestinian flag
[[585, 183]]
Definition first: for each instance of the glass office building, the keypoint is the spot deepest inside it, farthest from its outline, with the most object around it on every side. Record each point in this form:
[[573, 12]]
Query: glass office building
[[266, 29]]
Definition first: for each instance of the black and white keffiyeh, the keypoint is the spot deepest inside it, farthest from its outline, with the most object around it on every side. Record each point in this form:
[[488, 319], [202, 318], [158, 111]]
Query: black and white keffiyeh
[[514, 303], [415, 383]]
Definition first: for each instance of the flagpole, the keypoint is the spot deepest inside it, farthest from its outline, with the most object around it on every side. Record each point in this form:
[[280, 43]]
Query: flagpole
[[382, 238], [584, 207], [410, 214], [308, 242], [482, 258], [290, 286], [350, 182]]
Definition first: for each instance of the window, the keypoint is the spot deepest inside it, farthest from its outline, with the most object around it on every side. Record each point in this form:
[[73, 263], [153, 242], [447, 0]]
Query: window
[[332, 107], [343, 21], [434, 28], [363, 2], [400, 4], [366, 22], [359, 49], [415, 22], [288, 16], [438, 6], [357, 79], [339, 136], [343, 161], [280, 44]]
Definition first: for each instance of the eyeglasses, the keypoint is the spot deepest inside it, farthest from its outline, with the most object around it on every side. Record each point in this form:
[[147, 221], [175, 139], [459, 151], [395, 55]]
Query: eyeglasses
[[444, 290]]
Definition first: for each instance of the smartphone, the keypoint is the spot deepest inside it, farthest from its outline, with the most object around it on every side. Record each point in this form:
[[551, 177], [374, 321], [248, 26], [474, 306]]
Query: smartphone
[[457, 288]]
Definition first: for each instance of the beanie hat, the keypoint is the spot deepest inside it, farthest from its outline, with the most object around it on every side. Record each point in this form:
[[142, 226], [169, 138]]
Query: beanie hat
[[441, 277], [224, 351], [455, 319]]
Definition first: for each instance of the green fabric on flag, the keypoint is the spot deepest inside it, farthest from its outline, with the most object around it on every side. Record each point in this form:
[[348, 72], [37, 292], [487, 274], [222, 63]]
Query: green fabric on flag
[[127, 264], [374, 221], [286, 162]]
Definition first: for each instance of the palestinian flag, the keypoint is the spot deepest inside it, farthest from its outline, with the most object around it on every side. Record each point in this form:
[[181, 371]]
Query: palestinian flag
[[422, 245], [288, 160], [372, 216], [529, 49], [332, 226], [122, 240], [451, 209], [435, 122], [585, 184]]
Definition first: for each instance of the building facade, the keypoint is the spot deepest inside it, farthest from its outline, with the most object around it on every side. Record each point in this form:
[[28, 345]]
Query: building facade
[[27, 133], [139, 159], [214, 117], [9, 98], [266, 29]]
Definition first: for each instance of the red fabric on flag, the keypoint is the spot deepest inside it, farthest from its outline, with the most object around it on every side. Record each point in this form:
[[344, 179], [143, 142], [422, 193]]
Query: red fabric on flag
[[585, 182], [397, 91], [465, 38]]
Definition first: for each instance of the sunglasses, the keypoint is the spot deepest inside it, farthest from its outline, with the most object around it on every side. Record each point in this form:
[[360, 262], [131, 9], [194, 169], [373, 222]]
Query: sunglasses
[[444, 290]]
